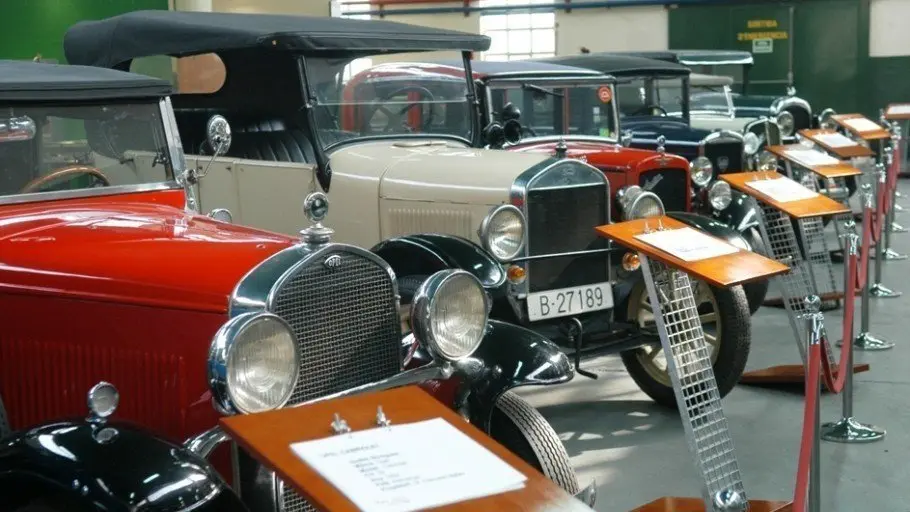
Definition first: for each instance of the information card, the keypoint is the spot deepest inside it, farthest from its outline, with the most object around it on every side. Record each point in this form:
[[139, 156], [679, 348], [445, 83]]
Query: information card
[[898, 110], [835, 140], [861, 124], [687, 244], [810, 157], [782, 190], [390, 469]]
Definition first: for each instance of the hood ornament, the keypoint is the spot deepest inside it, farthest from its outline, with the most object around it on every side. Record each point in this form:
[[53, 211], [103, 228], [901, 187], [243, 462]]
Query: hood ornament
[[661, 144], [561, 148], [316, 207]]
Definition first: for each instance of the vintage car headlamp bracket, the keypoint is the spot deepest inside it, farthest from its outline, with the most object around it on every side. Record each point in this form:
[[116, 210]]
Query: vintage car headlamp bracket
[[425, 302], [487, 223], [220, 351]]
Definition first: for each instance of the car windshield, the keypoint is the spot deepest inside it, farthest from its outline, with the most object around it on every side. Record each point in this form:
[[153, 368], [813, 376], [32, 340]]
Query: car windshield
[[657, 96], [53, 147], [556, 107], [358, 99]]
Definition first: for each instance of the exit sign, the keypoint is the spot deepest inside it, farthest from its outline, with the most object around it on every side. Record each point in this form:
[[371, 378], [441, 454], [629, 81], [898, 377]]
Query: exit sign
[[763, 46]]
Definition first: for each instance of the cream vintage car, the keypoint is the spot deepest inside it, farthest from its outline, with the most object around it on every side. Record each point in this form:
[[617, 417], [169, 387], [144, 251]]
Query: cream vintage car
[[411, 161]]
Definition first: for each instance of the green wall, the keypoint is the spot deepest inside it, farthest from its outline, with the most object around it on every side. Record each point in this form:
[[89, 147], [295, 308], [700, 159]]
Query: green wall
[[37, 26], [830, 38]]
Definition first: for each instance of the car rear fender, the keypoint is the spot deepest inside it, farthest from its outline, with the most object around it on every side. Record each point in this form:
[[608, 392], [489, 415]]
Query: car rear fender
[[109, 466]]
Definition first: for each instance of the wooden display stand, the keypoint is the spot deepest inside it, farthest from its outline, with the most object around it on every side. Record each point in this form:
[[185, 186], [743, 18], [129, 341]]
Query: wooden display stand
[[843, 152], [268, 436], [818, 206], [898, 112], [844, 121], [674, 504], [678, 323], [841, 170]]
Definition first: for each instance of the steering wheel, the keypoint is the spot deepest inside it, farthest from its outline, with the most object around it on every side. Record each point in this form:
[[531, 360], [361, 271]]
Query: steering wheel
[[99, 179], [397, 118], [649, 110]]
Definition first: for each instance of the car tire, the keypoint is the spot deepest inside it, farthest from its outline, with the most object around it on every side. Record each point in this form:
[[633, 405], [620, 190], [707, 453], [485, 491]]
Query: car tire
[[732, 354], [518, 426], [4, 421], [756, 291]]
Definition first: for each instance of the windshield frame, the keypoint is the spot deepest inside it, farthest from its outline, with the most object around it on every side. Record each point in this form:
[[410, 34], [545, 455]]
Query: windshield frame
[[311, 101], [542, 81], [175, 166], [651, 81]]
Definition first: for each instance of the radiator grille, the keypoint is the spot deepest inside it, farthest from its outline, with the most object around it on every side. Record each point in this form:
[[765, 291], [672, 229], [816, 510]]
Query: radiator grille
[[669, 185], [726, 156], [347, 327]]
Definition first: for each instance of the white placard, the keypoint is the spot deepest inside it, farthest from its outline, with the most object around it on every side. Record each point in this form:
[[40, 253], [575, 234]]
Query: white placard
[[835, 140], [782, 190], [861, 124], [687, 244], [388, 469], [810, 157], [895, 110]]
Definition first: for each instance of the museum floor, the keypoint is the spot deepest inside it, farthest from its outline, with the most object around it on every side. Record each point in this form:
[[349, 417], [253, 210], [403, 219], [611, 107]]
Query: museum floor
[[637, 451]]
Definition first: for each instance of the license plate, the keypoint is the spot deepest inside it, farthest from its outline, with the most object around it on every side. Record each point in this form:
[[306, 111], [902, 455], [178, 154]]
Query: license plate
[[569, 301]]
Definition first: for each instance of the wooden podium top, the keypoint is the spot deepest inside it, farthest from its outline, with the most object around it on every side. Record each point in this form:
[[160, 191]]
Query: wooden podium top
[[844, 120], [856, 150], [898, 112], [268, 437], [722, 271], [841, 170], [818, 206]]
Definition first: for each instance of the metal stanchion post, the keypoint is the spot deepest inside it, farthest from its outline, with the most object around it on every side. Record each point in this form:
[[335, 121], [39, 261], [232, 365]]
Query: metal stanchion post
[[815, 321], [887, 229], [897, 142], [878, 290], [865, 340], [847, 429]]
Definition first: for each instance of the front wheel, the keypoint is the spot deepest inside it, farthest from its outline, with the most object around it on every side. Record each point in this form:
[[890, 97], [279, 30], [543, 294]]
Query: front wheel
[[756, 291], [518, 426], [725, 319]]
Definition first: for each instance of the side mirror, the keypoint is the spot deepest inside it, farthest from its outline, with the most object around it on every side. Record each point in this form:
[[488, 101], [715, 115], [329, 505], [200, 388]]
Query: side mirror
[[218, 135], [15, 129], [512, 131], [625, 138]]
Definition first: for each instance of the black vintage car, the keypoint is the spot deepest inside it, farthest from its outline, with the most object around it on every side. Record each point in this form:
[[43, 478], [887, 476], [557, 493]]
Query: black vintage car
[[110, 274]]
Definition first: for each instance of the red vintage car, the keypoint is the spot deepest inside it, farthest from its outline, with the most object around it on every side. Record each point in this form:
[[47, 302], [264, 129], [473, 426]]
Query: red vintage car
[[110, 280]]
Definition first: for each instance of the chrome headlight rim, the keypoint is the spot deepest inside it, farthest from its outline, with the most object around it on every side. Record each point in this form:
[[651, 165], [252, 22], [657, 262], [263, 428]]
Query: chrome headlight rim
[[424, 303], [631, 196], [487, 223], [701, 171], [224, 342], [786, 122], [751, 139], [767, 161], [824, 119], [720, 195]]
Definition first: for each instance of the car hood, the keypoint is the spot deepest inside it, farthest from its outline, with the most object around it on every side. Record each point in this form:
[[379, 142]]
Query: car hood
[[607, 155], [443, 172], [139, 253]]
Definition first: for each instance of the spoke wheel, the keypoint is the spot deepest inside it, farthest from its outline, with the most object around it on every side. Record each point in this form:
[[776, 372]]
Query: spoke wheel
[[726, 323]]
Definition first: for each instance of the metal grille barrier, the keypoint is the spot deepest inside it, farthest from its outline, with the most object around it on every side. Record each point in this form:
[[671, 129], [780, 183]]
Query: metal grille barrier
[[692, 375]]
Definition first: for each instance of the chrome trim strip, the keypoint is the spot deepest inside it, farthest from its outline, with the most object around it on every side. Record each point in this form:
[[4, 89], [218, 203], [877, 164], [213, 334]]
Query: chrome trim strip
[[57, 195], [570, 138]]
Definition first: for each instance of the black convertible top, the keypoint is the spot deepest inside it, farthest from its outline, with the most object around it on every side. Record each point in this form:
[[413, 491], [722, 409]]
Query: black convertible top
[[36, 81], [698, 57], [113, 41], [620, 65]]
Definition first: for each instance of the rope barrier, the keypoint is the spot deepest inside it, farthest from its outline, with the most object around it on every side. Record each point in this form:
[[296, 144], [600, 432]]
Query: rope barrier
[[808, 434], [836, 377]]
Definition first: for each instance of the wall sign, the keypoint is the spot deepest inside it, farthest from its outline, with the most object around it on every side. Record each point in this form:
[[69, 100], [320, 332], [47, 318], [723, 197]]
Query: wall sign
[[762, 46], [762, 31]]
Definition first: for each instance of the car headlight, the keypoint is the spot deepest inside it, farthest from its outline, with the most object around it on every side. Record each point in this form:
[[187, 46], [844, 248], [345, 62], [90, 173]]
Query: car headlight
[[751, 143], [767, 161], [449, 314], [786, 122], [701, 170], [825, 120], [719, 195], [502, 232], [254, 363], [637, 203]]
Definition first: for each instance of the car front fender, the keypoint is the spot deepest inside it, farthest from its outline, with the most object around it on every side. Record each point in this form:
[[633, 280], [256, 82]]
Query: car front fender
[[716, 227], [111, 467], [509, 356], [425, 254]]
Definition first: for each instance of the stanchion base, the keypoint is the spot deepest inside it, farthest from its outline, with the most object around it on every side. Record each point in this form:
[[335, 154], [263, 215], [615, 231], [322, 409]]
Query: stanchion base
[[897, 228], [830, 301], [677, 504], [892, 255], [869, 342], [880, 291], [786, 374], [848, 430]]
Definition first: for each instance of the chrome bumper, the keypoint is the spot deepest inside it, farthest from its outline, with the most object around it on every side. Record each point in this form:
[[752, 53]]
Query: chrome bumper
[[205, 443]]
